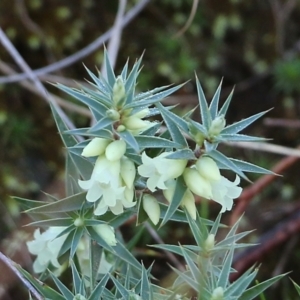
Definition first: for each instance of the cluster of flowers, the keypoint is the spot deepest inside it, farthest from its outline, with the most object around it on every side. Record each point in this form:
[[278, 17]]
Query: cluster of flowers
[[112, 183], [47, 245], [202, 179]]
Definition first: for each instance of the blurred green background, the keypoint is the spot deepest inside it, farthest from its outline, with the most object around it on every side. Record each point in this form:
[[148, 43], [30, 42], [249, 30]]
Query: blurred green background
[[253, 45]]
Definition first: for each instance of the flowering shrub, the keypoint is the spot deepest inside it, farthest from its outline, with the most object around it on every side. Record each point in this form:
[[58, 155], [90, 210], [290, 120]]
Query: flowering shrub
[[118, 173]]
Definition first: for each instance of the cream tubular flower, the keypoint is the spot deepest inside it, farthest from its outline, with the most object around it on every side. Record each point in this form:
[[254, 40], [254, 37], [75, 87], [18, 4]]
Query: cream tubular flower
[[115, 150], [119, 92], [197, 184], [105, 177], [46, 246], [107, 233], [224, 191], [208, 168], [152, 208], [107, 185], [128, 171], [95, 147], [160, 169], [135, 124]]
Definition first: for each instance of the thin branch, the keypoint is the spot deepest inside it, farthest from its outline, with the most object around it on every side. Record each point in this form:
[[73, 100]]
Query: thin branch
[[33, 27], [61, 102], [11, 265], [189, 21], [24, 66], [267, 147], [114, 42], [170, 255], [256, 188], [80, 54]]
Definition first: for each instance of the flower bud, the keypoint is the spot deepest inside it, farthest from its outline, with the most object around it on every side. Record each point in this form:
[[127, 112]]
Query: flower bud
[[95, 147], [79, 222], [174, 167], [197, 135], [113, 114], [217, 125], [169, 191], [135, 123], [115, 150], [121, 128], [197, 184], [188, 202], [209, 243], [128, 171], [129, 194], [119, 92], [107, 233], [152, 208], [208, 168], [218, 294], [142, 113]]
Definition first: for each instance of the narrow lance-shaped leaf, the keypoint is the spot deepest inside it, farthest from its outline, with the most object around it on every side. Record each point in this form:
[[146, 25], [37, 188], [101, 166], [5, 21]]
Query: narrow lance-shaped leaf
[[155, 142], [154, 98], [213, 107], [129, 139], [259, 288], [78, 283], [43, 290], [240, 138], [251, 168], [111, 78], [195, 228], [204, 111], [226, 104], [78, 233], [182, 154], [180, 189], [82, 97], [237, 288], [219, 157], [124, 71], [63, 289], [99, 289], [146, 292], [101, 85], [68, 204], [176, 119], [103, 123], [191, 264], [238, 126], [120, 288], [175, 133], [223, 277]]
